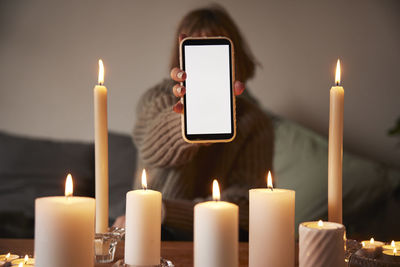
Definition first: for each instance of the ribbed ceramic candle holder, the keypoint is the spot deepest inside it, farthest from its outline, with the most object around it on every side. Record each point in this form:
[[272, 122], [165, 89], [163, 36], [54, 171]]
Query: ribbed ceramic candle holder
[[321, 246]]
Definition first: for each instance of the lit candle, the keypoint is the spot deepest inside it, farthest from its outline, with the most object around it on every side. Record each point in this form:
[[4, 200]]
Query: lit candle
[[391, 256], [25, 262], [101, 152], [143, 226], [335, 150], [321, 244], [271, 226], [370, 248], [216, 230], [8, 257], [393, 245], [64, 230]]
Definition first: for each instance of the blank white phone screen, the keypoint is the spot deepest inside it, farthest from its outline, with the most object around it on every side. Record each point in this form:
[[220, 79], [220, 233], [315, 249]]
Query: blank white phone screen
[[208, 91]]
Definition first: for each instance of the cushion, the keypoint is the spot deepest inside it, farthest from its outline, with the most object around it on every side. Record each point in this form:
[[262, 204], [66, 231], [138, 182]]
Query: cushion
[[31, 168], [35, 167], [122, 166], [301, 164]]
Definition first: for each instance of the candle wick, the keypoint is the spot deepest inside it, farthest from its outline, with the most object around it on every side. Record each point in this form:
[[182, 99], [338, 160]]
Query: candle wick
[[337, 83]]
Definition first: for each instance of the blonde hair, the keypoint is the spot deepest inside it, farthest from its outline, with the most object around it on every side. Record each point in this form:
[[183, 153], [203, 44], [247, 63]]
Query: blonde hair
[[215, 21]]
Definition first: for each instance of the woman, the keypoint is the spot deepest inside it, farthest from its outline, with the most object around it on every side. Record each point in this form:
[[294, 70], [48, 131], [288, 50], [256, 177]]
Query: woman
[[184, 172]]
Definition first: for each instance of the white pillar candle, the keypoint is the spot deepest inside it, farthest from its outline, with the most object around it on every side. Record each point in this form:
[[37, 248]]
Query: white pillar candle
[[101, 152], [335, 150], [321, 244], [143, 226], [64, 230], [216, 230], [271, 228]]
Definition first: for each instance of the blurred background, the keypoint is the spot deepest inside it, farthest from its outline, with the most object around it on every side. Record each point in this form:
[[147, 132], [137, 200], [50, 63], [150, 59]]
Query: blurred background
[[48, 60], [49, 52]]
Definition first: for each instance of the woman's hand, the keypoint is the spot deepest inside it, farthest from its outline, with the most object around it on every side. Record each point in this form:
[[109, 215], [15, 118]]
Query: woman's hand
[[179, 90]]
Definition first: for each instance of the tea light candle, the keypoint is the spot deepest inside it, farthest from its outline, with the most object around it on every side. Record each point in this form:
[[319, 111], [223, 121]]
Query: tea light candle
[[25, 262], [392, 246], [371, 248], [216, 241], [372, 243], [143, 226], [64, 230], [321, 244], [271, 226], [392, 256], [8, 257]]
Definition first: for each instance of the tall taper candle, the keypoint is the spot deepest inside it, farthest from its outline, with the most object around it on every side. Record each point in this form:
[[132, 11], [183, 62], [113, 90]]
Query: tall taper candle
[[335, 150], [101, 152]]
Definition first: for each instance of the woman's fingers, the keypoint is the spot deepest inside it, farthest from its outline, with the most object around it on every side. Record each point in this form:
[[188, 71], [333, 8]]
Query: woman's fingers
[[182, 36], [178, 75], [179, 90], [238, 87], [178, 107]]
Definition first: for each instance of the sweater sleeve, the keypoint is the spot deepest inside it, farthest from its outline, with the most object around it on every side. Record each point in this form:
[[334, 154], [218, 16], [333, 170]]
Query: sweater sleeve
[[251, 165], [157, 132], [253, 160]]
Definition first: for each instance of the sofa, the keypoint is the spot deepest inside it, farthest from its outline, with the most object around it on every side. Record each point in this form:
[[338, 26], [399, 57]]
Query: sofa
[[35, 167]]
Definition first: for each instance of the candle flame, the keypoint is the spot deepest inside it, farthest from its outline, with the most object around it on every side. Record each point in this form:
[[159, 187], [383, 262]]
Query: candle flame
[[363, 244], [393, 244], [320, 223], [337, 78], [372, 240], [394, 251], [269, 181], [26, 258], [20, 264], [8, 255], [144, 179], [69, 187], [215, 192], [101, 72]]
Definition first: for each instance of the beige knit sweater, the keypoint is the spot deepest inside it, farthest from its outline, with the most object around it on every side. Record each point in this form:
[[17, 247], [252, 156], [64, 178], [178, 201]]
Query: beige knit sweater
[[184, 172]]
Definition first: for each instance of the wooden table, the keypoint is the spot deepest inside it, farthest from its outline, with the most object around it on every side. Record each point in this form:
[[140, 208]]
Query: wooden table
[[180, 253]]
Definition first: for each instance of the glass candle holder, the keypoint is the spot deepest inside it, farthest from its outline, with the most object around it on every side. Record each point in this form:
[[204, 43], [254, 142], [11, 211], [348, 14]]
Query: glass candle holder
[[106, 243], [163, 263]]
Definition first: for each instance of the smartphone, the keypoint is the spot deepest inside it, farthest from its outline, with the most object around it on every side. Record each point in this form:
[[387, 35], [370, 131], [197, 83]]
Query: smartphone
[[209, 103]]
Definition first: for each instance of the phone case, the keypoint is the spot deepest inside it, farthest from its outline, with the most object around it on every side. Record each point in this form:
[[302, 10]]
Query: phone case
[[233, 94]]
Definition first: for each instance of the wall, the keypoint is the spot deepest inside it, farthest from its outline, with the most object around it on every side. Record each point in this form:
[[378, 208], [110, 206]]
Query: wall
[[49, 52]]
